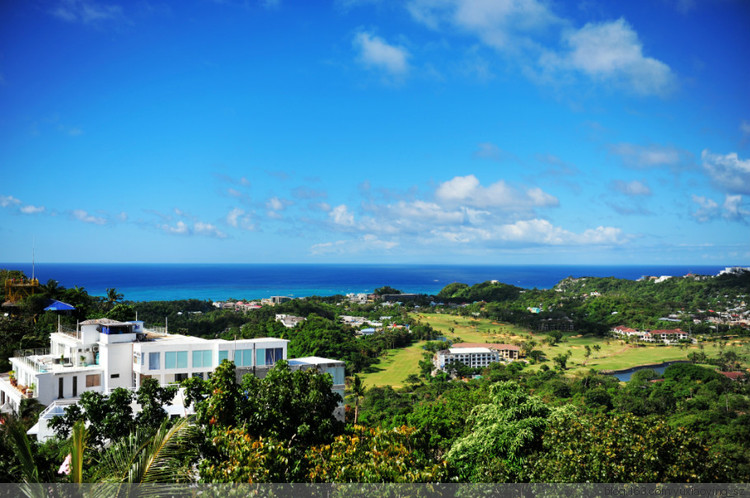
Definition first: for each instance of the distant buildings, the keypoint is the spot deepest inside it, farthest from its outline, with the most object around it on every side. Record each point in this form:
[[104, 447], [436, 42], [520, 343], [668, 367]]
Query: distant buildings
[[670, 336], [475, 355]]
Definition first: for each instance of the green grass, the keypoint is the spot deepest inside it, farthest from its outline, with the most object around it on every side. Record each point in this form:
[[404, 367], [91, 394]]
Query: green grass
[[396, 365]]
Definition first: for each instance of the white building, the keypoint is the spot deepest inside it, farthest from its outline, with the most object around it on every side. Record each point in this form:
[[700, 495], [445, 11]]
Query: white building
[[289, 321], [105, 354], [471, 357]]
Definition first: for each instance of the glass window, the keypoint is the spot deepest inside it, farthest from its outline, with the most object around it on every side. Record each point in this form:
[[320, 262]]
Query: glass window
[[154, 361], [93, 380], [202, 358], [175, 359], [273, 355], [260, 357], [223, 355], [243, 357]]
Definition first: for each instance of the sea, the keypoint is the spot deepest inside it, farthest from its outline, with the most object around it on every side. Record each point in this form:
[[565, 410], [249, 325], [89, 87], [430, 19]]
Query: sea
[[221, 282]]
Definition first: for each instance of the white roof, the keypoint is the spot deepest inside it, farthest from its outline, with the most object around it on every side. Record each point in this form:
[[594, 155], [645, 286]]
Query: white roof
[[312, 360], [470, 350]]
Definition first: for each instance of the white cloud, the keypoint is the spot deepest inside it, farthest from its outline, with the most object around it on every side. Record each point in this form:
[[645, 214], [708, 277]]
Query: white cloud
[[650, 156], [733, 208], [238, 218], [486, 150], [341, 216], [365, 243], [467, 190], [8, 200], [728, 171], [82, 215], [181, 228], [745, 128], [377, 53], [612, 52], [501, 24], [29, 209], [632, 188], [86, 11], [208, 229], [532, 232], [276, 204]]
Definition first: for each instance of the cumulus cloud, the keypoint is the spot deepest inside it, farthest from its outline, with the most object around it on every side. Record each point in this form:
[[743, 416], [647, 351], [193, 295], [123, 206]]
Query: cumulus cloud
[[533, 232], [733, 209], [365, 243], [276, 204], [180, 228], [632, 188], [87, 11], [374, 52], [728, 172], [502, 24], [208, 229], [612, 52], [29, 209], [468, 190], [651, 156], [85, 217], [341, 216], [8, 200], [238, 218]]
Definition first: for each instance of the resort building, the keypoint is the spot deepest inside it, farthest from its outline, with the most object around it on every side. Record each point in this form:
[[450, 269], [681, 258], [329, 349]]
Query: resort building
[[471, 357], [670, 336], [102, 355], [508, 352], [289, 321]]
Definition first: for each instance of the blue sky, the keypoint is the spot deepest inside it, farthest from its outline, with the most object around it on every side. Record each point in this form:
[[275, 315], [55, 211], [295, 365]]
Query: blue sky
[[366, 131]]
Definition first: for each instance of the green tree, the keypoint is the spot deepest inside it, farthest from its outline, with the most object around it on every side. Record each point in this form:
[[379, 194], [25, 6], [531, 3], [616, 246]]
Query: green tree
[[374, 455], [501, 435], [358, 392], [624, 448]]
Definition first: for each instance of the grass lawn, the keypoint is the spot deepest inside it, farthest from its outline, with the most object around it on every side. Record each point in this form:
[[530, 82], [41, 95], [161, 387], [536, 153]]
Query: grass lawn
[[397, 365]]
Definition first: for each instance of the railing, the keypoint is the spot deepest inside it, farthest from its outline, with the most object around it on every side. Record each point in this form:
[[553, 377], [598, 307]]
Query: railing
[[69, 332], [21, 353]]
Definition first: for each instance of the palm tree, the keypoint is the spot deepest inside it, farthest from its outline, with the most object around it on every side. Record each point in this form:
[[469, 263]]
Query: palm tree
[[113, 297], [161, 458], [358, 391], [52, 289]]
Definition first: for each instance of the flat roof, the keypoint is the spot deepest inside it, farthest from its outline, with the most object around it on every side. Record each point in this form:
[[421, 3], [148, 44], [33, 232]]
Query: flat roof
[[312, 360], [470, 350]]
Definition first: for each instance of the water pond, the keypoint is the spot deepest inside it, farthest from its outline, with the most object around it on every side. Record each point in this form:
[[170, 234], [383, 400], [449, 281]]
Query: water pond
[[624, 375]]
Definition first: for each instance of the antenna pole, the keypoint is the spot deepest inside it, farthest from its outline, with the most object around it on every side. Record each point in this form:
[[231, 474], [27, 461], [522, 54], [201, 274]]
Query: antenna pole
[[33, 257]]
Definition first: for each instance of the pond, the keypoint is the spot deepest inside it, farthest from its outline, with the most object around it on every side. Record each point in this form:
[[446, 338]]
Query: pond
[[624, 375]]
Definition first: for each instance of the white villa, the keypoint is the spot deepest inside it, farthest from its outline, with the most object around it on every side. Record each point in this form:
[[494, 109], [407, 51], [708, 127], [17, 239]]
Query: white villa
[[105, 354], [665, 336], [471, 357]]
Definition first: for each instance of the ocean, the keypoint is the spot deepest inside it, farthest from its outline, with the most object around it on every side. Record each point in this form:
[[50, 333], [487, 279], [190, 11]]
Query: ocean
[[219, 282]]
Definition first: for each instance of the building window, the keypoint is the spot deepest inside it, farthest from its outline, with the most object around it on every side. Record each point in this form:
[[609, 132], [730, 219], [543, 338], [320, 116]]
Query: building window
[[223, 355], [180, 376], [175, 359], [93, 380], [273, 355], [114, 376], [154, 361], [202, 358], [243, 357]]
